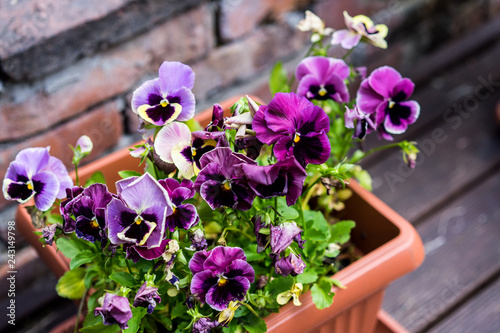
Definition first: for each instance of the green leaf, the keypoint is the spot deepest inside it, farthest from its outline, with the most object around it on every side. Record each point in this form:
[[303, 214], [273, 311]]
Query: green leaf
[[100, 328], [280, 285], [71, 284], [178, 310], [252, 255], [278, 79], [123, 278], [309, 276], [97, 177], [129, 173], [255, 324], [341, 231], [288, 213], [321, 293], [71, 247], [134, 323], [89, 275], [319, 230], [81, 258]]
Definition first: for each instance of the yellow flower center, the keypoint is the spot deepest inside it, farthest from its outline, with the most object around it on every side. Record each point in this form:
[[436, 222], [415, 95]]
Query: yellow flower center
[[94, 223], [193, 152], [222, 282], [296, 138], [30, 186], [226, 186], [138, 220], [164, 103], [322, 91], [391, 104]]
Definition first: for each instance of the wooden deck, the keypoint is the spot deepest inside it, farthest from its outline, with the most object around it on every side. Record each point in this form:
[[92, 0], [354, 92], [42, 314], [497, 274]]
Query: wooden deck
[[452, 198]]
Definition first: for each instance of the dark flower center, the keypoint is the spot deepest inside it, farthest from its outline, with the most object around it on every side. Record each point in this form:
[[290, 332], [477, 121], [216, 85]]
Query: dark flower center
[[322, 92]]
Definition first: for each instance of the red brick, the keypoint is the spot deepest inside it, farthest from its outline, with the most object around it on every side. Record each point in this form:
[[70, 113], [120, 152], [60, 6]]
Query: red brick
[[39, 36], [104, 125], [26, 110]]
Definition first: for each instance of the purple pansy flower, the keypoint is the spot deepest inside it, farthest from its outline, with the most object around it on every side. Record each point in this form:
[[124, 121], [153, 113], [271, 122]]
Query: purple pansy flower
[[290, 265], [296, 126], [217, 122], [364, 124], [114, 310], [184, 216], [220, 276], [147, 297], [384, 94], [176, 144], [323, 78], [221, 182], [135, 253], [36, 174], [198, 240], [137, 216], [283, 235], [167, 98], [87, 212], [286, 177], [66, 208], [205, 325]]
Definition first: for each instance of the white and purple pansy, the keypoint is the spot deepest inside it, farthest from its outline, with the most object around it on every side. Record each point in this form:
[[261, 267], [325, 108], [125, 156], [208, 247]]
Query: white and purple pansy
[[167, 98], [184, 215], [220, 276], [176, 144], [385, 95], [286, 177], [137, 217], [296, 126], [361, 122], [36, 174], [323, 78], [222, 182], [360, 26]]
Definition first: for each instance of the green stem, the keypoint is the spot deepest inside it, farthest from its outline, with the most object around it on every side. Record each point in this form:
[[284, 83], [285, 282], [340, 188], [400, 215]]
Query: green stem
[[128, 267], [80, 307], [77, 180], [275, 208], [250, 308], [348, 53], [236, 229], [301, 213], [371, 151]]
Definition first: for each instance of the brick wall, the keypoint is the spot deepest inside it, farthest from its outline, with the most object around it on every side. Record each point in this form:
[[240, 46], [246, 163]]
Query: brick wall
[[68, 67]]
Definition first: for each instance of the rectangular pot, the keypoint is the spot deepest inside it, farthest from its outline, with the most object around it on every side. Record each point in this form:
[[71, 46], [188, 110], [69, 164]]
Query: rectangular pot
[[391, 246]]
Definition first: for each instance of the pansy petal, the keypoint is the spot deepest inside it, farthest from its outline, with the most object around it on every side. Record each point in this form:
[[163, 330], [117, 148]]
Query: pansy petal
[[368, 99], [403, 90], [18, 191], [216, 195], [201, 283], [186, 99], [148, 254], [33, 159], [283, 111], [118, 217], [17, 172], [221, 257], [147, 94], [234, 290], [183, 159], [57, 167], [46, 187], [143, 192], [312, 148], [383, 80], [170, 136], [160, 114], [400, 116], [123, 183], [180, 194], [174, 74], [184, 217], [346, 38], [99, 194], [284, 148], [259, 125], [241, 268], [197, 261], [313, 120], [156, 213]]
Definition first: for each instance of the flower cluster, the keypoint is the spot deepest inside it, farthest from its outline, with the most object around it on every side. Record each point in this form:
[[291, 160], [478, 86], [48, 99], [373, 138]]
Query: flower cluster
[[231, 220]]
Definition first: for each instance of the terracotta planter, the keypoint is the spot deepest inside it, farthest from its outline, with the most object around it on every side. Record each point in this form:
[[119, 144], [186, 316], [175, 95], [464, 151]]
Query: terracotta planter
[[391, 246]]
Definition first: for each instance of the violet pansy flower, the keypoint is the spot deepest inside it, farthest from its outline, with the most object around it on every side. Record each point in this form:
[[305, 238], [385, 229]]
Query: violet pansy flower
[[137, 216], [87, 212], [205, 325], [296, 126], [283, 235], [220, 276], [147, 297], [176, 144], [290, 264], [115, 310], [286, 177], [360, 26], [385, 94], [222, 182], [167, 98], [323, 78], [36, 174], [364, 124], [184, 216]]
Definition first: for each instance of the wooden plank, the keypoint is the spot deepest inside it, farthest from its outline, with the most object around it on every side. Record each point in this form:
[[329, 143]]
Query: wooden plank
[[480, 314], [453, 154], [462, 251]]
